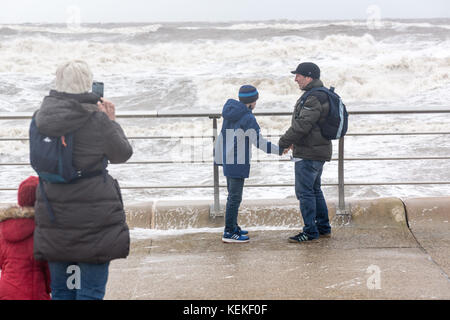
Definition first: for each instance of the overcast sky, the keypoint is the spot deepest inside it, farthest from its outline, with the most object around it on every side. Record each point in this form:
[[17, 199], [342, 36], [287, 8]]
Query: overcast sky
[[52, 11]]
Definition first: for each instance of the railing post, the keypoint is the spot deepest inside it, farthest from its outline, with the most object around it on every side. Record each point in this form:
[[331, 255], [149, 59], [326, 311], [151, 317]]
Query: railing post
[[341, 207], [216, 207]]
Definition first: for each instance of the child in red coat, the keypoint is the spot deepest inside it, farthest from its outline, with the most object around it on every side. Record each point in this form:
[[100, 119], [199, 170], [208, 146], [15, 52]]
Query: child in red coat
[[22, 277]]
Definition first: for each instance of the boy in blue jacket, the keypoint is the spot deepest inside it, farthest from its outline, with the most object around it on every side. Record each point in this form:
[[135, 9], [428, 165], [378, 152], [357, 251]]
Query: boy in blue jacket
[[233, 151]]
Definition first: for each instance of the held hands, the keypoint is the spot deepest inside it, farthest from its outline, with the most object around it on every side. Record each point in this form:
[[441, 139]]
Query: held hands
[[107, 107]]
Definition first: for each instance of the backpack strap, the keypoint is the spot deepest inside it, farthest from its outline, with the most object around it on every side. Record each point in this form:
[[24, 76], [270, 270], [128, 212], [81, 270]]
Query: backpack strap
[[47, 203], [312, 91], [88, 173], [322, 98], [321, 93]]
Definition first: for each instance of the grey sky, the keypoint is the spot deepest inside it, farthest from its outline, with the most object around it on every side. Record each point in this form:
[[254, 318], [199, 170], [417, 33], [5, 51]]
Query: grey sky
[[19, 11]]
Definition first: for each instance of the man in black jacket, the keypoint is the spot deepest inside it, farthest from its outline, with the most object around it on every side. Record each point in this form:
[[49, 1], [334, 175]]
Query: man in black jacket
[[310, 151]]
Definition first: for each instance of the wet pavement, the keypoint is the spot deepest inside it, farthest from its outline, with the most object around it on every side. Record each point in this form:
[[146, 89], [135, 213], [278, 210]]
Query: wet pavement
[[376, 256]]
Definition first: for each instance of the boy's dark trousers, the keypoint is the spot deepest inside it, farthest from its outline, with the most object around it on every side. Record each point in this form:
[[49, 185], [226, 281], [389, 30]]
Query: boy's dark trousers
[[235, 188]]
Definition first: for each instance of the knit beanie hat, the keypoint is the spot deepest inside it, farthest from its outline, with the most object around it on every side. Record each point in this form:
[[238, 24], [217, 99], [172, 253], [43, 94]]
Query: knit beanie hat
[[248, 94], [74, 77], [26, 195], [308, 69]]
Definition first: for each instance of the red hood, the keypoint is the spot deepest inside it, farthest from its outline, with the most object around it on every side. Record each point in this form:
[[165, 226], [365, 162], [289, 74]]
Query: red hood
[[16, 230], [17, 224]]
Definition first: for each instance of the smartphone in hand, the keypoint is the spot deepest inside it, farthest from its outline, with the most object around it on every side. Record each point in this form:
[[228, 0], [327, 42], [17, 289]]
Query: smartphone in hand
[[98, 88]]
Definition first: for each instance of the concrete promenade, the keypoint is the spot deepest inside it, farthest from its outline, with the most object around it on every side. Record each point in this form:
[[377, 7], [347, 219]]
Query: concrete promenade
[[391, 249]]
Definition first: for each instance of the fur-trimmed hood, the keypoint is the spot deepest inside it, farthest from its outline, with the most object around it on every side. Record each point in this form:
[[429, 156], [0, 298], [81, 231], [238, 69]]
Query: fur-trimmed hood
[[23, 277], [15, 223], [16, 213]]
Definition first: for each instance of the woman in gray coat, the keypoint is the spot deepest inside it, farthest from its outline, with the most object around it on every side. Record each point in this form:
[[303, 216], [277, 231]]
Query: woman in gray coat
[[89, 227]]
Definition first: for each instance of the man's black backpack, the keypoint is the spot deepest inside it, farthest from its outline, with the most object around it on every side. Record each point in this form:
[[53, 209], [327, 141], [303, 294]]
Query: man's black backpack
[[336, 123]]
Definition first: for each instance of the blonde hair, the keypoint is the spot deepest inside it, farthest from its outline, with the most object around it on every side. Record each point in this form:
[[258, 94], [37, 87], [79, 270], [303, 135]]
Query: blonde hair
[[74, 77]]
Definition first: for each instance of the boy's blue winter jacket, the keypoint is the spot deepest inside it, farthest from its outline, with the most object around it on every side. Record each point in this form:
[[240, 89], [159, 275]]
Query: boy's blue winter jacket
[[233, 146]]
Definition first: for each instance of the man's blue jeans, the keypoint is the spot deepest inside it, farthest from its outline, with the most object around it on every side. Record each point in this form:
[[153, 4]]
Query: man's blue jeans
[[235, 188], [308, 190], [78, 281]]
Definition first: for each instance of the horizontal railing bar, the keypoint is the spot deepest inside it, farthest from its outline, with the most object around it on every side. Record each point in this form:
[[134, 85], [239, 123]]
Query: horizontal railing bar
[[276, 185], [256, 161], [292, 185], [379, 134], [211, 186], [411, 183], [167, 114], [351, 110], [131, 138], [397, 110], [398, 134], [14, 139], [267, 136], [288, 160], [170, 137], [395, 158]]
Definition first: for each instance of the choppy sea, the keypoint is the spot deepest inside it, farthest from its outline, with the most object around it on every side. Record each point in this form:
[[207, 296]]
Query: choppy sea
[[190, 67]]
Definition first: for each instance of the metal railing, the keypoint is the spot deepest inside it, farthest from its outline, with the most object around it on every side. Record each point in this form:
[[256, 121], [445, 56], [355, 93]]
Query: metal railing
[[215, 210]]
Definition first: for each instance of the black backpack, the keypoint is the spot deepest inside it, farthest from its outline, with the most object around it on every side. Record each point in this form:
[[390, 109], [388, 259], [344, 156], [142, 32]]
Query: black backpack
[[52, 159], [336, 123]]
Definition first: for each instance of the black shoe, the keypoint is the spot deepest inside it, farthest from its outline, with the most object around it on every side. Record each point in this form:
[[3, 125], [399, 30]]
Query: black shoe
[[325, 235], [301, 237]]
